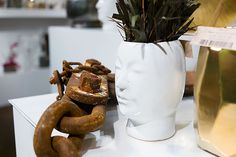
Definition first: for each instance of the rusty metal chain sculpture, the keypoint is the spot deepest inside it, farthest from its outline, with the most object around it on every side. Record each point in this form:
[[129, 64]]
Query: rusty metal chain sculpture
[[78, 110]]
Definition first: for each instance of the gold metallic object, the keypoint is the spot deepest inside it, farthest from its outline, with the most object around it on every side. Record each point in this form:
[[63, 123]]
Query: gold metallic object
[[218, 13], [215, 96]]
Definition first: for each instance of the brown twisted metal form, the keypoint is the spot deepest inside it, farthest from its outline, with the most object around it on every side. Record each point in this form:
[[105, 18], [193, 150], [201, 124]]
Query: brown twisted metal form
[[76, 111]]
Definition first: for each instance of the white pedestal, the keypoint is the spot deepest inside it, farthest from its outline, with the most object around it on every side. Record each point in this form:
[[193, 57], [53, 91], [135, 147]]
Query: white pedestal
[[112, 139], [79, 44]]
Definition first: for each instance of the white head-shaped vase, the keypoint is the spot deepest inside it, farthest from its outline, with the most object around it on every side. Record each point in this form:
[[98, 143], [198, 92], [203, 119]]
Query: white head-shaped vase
[[105, 9], [149, 86]]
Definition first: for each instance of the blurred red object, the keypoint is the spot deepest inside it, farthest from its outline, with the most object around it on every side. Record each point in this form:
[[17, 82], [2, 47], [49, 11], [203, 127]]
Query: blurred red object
[[11, 65]]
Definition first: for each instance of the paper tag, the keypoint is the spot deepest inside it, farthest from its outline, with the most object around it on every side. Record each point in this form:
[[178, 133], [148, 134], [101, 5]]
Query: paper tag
[[215, 37]]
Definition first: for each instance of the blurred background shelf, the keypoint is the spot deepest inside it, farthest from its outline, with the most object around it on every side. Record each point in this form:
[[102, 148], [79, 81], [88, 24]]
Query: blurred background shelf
[[23, 32], [32, 13]]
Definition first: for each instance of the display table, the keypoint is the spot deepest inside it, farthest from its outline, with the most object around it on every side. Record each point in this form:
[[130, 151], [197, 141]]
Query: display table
[[111, 140]]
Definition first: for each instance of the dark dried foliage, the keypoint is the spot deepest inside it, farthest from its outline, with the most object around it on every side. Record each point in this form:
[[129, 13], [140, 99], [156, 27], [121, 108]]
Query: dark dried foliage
[[152, 21]]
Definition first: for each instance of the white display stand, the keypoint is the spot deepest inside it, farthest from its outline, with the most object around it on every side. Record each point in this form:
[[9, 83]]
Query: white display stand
[[111, 140], [79, 44]]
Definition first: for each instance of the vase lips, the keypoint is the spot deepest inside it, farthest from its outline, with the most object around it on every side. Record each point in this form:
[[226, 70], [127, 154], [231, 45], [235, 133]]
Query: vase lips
[[122, 99], [127, 109]]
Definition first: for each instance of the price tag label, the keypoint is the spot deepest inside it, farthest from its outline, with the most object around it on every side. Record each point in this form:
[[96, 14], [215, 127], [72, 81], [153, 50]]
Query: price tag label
[[215, 37]]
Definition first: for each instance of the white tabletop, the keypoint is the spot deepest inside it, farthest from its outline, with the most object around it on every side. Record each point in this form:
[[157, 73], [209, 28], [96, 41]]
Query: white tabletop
[[112, 140]]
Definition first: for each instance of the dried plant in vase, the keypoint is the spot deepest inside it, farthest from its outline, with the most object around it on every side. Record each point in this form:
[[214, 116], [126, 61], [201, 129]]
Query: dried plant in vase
[[152, 21], [150, 83]]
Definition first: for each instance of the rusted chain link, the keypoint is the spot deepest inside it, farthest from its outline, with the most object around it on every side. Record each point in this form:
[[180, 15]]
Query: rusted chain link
[[76, 112], [61, 79]]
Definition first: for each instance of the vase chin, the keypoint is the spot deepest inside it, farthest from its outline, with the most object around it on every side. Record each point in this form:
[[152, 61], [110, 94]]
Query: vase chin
[[150, 80], [155, 130]]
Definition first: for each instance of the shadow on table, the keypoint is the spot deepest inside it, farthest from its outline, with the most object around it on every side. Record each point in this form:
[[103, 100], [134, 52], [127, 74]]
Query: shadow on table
[[180, 126], [105, 135]]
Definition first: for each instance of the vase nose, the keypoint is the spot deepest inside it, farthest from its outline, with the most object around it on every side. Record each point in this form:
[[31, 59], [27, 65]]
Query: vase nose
[[121, 78], [122, 82]]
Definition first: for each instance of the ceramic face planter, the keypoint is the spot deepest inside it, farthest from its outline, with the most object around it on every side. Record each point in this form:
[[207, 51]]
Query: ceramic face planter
[[105, 10], [150, 83]]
